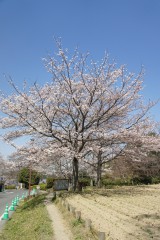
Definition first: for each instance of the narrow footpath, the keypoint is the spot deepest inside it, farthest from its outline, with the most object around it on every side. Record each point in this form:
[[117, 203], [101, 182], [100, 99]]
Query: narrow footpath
[[60, 228]]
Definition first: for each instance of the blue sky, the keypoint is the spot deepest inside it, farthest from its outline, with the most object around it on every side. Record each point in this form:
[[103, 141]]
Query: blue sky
[[129, 30]]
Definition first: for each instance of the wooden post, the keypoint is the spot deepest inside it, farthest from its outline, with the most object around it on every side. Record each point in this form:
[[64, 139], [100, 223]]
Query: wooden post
[[78, 215], [72, 210], [101, 236], [91, 183], [88, 224], [66, 205], [54, 195]]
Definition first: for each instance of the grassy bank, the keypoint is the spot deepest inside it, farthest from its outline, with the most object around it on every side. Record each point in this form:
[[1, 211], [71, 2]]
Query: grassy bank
[[30, 221]]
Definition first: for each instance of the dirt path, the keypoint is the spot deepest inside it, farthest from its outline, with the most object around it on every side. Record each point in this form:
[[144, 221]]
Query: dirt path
[[60, 228]]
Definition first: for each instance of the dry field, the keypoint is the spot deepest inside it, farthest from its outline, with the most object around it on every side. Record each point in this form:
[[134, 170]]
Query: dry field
[[124, 213]]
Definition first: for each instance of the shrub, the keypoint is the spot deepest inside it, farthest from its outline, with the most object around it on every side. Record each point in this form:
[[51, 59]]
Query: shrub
[[10, 187], [107, 182], [84, 181], [155, 180], [143, 179], [123, 182], [43, 186], [116, 182], [50, 181]]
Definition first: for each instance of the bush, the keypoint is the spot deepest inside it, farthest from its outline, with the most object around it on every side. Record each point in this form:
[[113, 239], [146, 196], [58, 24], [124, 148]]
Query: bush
[[50, 181], [143, 179], [155, 180], [84, 182], [107, 182], [43, 186], [123, 182], [116, 182], [10, 187]]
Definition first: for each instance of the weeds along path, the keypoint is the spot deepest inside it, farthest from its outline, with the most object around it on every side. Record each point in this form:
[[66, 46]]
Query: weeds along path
[[60, 228], [131, 214]]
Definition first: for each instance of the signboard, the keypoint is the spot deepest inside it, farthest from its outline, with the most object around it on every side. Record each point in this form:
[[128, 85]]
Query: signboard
[[61, 184]]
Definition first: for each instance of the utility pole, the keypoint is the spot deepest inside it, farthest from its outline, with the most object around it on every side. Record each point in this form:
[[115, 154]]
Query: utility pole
[[30, 178]]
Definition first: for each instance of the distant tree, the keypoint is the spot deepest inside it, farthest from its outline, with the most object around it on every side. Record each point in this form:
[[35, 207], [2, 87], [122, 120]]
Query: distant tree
[[23, 177]]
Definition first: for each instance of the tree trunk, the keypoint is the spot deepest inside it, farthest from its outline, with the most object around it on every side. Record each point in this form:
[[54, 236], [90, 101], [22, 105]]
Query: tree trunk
[[75, 173], [99, 169]]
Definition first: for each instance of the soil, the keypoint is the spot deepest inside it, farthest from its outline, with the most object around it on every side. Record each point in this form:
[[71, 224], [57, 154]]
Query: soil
[[125, 213]]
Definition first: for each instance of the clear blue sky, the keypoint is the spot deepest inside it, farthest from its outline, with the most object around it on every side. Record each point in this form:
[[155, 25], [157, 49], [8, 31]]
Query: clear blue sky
[[129, 30]]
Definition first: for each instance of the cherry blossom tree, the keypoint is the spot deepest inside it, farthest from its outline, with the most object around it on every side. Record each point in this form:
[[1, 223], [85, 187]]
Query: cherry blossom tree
[[60, 158], [31, 156], [86, 101]]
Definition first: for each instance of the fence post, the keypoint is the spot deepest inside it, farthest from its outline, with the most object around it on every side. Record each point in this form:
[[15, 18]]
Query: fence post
[[88, 224], [66, 204], [101, 236], [72, 210], [78, 215]]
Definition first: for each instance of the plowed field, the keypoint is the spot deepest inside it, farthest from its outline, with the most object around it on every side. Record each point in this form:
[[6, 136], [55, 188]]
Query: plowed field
[[125, 213]]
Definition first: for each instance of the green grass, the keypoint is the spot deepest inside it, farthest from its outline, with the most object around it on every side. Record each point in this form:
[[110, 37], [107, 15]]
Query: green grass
[[77, 222], [29, 222]]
